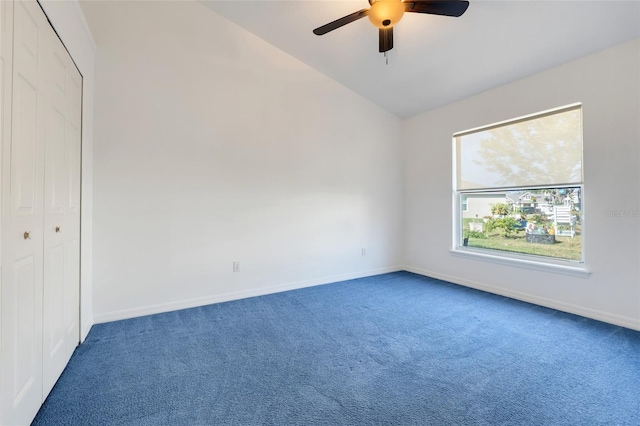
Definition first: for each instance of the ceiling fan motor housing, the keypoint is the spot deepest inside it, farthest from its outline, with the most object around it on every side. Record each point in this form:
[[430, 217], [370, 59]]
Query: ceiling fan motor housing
[[386, 13]]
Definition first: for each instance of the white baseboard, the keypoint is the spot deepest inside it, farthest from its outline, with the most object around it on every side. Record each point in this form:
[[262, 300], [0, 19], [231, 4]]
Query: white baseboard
[[607, 317], [85, 332], [226, 297]]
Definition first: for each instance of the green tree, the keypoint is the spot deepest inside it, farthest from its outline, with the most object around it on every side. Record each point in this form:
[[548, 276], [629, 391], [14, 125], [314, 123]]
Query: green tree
[[500, 209], [508, 225]]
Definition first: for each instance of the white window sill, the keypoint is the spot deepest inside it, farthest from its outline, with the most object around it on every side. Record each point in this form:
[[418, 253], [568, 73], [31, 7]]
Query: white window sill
[[554, 266]]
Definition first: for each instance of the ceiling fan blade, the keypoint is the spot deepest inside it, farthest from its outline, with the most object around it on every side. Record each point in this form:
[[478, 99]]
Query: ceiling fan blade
[[340, 22], [386, 39], [437, 7]]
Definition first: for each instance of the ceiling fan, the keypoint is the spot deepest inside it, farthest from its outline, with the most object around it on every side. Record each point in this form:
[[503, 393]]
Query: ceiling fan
[[384, 14]]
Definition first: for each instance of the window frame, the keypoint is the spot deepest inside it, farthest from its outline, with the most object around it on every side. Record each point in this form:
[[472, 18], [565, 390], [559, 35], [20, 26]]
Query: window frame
[[528, 261]]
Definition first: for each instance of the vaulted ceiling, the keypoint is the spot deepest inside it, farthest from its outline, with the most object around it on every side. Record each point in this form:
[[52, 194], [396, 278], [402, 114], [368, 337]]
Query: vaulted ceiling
[[437, 60]]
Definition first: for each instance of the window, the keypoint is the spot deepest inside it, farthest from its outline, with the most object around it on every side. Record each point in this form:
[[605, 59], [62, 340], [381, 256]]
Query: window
[[519, 190]]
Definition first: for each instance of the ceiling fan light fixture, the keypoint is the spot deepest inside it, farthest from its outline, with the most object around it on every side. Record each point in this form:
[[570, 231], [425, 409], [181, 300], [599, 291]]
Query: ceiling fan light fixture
[[386, 13]]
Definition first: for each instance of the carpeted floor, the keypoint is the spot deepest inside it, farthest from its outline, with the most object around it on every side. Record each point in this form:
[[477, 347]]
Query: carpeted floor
[[395, 349]]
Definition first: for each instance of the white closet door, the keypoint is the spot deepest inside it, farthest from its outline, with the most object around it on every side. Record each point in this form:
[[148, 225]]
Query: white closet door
[[23, 223], [61, 213], [73, 162]]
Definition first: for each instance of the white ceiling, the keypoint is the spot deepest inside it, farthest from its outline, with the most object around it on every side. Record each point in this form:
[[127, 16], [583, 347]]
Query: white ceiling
[[437, 60]]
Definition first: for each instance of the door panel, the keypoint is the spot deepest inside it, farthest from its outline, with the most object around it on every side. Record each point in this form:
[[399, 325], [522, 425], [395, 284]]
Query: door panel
[[54, 163], [54, 312], [72, 295], [74, 131], [54, 299], [25, 339], [22, 249], [59, 73], [61, 215], [25, 149], [72, 210]]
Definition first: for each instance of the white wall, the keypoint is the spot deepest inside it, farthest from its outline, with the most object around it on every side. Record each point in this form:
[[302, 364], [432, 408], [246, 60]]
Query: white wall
[[608, 85], [68, 21], [212, 146]]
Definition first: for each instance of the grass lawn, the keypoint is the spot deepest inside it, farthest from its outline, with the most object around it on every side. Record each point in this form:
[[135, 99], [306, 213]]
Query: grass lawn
[[564, 247]]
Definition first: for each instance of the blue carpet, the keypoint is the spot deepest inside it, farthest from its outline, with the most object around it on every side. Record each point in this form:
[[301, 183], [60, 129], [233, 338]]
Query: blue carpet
[[395, 349]]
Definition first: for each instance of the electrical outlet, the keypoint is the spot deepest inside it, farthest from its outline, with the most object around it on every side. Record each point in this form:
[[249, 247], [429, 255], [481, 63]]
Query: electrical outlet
[[236, 266], [363, 252]]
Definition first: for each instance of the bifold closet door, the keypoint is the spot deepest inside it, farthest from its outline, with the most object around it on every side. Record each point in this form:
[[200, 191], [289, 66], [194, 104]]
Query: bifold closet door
[[22, 235], [61, 213], [40, 238]]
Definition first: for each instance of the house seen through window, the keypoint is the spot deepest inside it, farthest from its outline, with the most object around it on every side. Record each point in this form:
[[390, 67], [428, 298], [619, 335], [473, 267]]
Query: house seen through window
[[519, 186]]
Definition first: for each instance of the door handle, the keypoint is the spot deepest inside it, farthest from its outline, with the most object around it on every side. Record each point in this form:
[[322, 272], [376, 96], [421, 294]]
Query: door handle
[[58, 228], [27, 235]]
